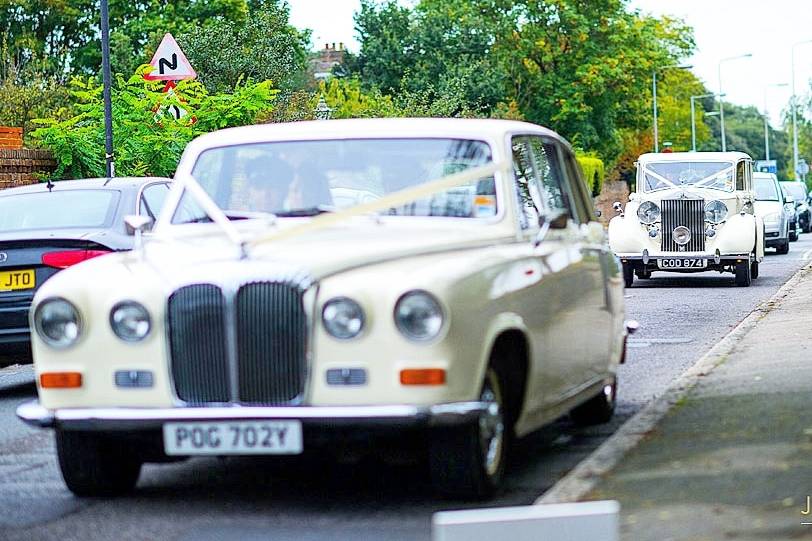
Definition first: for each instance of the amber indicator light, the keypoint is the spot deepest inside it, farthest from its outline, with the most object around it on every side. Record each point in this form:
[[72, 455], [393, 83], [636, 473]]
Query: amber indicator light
[[60, 380], [422, 376]]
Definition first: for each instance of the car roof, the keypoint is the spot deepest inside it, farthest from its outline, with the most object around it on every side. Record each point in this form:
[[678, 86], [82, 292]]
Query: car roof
[[692, 156], [116, 183], [367, 128]]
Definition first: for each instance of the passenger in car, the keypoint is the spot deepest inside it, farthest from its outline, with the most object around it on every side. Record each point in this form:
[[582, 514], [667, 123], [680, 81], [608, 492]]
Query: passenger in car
[[269, 183]]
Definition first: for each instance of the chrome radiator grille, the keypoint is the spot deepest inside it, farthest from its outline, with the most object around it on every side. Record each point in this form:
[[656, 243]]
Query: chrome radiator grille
[[686, 212], [249, 349]]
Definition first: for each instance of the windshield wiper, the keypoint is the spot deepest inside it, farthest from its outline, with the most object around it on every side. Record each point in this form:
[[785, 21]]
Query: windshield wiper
[[305, 212]]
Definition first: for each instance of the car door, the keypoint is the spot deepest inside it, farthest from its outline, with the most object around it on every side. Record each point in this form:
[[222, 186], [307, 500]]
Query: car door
[[551, 307], [596, 266]]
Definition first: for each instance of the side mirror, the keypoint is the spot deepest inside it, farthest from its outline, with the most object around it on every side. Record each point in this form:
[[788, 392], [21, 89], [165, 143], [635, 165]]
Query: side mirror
[[789, 199], [556, 221], [618, 207], [137, 224], [598, 213]]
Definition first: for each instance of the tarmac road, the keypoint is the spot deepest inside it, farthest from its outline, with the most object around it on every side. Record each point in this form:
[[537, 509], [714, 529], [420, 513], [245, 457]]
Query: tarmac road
[[682, 316]]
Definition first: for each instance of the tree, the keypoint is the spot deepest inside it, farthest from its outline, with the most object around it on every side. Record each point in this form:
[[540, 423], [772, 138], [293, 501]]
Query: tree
[[148, 140], [64, 34], [674, 110], [265, 47], [578, 67]]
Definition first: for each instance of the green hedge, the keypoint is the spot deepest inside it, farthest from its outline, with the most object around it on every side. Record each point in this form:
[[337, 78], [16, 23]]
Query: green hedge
[[594, 173]]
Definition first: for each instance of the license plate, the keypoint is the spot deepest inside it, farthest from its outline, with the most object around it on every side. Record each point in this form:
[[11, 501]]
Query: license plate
[[677, 263], [18, 279], [233, 438]]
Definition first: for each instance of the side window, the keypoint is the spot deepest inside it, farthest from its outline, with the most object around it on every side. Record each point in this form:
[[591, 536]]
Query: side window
[[740, 168], [581, 196], [152, 200], [524, 173], [550, 171]]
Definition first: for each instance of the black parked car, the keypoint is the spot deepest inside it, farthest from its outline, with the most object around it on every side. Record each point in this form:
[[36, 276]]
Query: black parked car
[[48, 227], [798, 191]]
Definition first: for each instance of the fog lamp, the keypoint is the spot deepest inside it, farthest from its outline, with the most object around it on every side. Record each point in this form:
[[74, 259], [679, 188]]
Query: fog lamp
[[681, 235]]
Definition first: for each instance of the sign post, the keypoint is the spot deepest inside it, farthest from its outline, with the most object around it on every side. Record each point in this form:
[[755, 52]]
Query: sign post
[[109, 157]]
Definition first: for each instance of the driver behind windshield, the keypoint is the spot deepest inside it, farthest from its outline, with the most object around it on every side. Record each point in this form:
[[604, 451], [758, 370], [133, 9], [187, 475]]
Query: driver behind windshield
[[269, 183]]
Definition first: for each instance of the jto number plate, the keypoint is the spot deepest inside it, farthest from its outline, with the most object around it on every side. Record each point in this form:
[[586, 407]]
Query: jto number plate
[[233, 438], [677, 263], [19, 279]]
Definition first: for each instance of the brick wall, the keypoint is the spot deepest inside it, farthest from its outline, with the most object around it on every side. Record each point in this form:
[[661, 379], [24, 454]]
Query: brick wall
[[612, 191], [11, 138], [19, 167]]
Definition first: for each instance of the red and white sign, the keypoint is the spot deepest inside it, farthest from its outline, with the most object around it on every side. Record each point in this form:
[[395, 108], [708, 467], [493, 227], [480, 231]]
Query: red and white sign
[[169, 62]]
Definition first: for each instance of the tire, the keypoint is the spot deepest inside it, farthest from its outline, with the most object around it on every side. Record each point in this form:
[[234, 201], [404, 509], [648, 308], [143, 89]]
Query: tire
[[469, 461], [94, 465], [807, 225], [743, 275], [643, 275], [628, 275], [598, 409], [793, 235], [783, 249], [754, 270]]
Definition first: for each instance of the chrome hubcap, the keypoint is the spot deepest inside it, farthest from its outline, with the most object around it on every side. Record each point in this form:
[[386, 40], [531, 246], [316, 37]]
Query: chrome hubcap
[[491, 429]]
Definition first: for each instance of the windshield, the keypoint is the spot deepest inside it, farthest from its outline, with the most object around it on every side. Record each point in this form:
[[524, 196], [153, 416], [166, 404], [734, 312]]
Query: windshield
[[308, 177], [58, 209], [795, 189], [766, 189], [664, 175]]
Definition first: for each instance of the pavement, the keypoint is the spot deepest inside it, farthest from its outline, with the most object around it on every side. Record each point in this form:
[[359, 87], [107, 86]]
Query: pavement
[[731, 457]]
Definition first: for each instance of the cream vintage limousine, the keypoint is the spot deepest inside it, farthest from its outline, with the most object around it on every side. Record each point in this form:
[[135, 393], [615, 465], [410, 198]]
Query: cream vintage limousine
[[335, 279], [692, 212]]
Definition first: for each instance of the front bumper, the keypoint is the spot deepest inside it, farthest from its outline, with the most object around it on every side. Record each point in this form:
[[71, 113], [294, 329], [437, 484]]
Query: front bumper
[[649, 262], [128, 419]]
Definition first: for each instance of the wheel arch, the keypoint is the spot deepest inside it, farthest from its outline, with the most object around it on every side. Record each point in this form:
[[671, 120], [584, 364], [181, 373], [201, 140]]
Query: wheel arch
[[509, 354]]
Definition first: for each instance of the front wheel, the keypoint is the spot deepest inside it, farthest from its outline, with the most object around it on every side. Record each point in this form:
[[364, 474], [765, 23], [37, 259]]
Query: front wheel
[[598, 409], [793, 235], [754, 270], [92, 464], [783, 248], [469, 461], [743, 275], [628, 275]]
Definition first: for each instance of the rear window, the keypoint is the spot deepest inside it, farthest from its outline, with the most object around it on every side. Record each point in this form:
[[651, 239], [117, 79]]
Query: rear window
[[57, 210]]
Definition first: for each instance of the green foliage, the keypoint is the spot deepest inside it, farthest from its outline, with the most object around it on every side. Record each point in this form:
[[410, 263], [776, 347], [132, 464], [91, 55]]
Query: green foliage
[[674, 110], [28, 93], [147, 139], [265, 47], [594, 172], [64, 34]]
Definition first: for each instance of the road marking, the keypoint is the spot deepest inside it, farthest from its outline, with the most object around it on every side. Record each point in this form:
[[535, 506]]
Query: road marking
[[647, 342]]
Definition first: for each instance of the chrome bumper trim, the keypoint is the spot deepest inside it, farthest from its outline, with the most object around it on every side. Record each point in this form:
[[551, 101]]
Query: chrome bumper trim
[[677, 255], [146, 418]]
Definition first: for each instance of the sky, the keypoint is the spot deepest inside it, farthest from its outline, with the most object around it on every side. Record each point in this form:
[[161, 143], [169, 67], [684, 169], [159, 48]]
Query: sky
[[722, 29]]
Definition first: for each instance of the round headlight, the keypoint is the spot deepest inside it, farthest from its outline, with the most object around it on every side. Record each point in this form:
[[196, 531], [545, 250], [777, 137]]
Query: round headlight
[[343, 318], [715, 212], [58, 323], [648, 212], [419, 316], [681, 235], [130, 321]]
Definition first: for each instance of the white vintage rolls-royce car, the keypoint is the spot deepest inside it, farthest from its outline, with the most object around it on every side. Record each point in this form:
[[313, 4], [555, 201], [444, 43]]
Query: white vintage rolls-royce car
[[261, 317], [692, 212]]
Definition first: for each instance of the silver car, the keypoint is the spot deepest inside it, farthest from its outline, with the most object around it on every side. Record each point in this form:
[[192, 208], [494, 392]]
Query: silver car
[[770, 207]]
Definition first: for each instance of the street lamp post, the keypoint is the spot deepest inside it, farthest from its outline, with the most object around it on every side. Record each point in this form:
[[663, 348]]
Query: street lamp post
[[767, 121], [108, 108], [654, 96], [721, 93], [794, 112], [693, 119]]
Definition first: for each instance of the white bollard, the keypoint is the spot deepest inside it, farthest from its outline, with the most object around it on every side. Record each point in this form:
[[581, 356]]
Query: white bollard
[[587, 521]]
